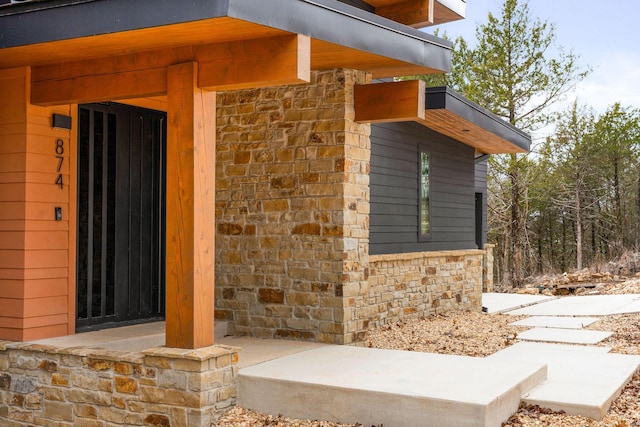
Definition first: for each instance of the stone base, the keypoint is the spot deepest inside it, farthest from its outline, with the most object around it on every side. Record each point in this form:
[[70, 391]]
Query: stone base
[[420, 284], [45, 386]]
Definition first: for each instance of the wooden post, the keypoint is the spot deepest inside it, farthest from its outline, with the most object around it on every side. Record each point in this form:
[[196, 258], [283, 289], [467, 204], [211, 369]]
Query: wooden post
[[191, 134]]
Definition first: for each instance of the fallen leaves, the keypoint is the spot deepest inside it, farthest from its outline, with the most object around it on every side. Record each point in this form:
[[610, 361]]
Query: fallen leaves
[[463, 333]]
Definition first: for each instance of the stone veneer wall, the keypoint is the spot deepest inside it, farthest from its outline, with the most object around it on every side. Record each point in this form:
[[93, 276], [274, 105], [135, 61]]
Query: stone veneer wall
[[416, 285], [487, 271], [292, 210], [47, 386]]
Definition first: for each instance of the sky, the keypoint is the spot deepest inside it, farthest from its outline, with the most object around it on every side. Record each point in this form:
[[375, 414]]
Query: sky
[[604, 34]]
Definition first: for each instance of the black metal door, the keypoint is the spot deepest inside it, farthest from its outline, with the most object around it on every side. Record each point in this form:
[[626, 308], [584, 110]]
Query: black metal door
[[121, 199], [479, 220]]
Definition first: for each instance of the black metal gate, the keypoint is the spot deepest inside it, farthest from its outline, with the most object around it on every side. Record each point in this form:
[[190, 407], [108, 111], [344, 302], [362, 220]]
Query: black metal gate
[[121, 199]]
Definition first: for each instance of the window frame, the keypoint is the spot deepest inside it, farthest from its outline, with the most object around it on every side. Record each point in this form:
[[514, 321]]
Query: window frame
[[422, 150]]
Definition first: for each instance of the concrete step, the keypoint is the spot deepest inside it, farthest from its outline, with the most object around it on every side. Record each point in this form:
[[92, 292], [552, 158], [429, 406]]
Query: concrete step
[[581, 380], [393, 388], [567, 336], [564, 322]]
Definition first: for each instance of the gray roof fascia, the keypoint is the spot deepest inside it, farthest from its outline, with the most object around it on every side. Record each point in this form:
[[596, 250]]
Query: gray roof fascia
[[345, 25], [328, 20], [443, 97]]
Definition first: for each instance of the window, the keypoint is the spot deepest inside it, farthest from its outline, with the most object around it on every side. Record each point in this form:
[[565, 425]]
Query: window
[[423, 188]]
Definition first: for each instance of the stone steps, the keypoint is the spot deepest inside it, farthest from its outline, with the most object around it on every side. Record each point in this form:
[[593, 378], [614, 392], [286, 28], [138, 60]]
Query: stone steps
[[393, 388]]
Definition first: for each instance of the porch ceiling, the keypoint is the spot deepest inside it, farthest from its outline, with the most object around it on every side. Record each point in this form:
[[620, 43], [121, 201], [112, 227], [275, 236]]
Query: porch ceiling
[[421, 13], [341, 35]]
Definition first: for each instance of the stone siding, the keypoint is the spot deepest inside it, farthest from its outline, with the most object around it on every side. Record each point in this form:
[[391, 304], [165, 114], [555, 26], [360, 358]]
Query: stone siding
[[47, 386], [292, 210], [487, 269], [292, 223], [416, 285]]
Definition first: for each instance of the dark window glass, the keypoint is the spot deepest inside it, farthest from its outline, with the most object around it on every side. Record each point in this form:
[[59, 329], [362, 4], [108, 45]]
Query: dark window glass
[[425, 221]]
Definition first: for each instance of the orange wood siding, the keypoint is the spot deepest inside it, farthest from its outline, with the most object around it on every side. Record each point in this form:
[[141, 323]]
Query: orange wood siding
[[35, 283], [34, 288]]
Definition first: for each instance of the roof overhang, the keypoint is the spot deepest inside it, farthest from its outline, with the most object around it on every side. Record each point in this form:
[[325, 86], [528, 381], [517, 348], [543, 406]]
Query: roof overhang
[[420, 13], [440, 109], [59, 31]]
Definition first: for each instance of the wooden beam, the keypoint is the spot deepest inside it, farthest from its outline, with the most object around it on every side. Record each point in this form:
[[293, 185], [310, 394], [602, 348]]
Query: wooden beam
[[158, 103], [390, 102], [416, 13], [97, 88], [239, 64], [190, 234], [442, 14], [255, 63]]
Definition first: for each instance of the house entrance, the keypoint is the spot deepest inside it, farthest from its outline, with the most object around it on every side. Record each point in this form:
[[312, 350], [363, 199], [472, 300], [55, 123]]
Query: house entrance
[[121, 215]]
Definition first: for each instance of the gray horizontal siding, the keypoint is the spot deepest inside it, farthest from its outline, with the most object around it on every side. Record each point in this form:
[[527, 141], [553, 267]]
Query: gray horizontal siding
[[394, 190]]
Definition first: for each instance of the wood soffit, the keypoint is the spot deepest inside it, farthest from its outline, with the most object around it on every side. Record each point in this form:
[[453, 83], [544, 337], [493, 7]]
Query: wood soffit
[[469, 133], [416, 13], [406, 101], [324, 55]]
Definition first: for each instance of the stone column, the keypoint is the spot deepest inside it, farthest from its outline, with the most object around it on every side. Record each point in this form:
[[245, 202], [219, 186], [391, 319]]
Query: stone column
[[292, 211], [487, 268]]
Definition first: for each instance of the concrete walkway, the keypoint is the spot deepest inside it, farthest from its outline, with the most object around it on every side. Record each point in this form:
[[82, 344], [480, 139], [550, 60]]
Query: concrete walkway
[[406, 388], [556, 322], [494, 303], [569, 336], [398, 388], [588, 305], [582, 380], [393, 388]]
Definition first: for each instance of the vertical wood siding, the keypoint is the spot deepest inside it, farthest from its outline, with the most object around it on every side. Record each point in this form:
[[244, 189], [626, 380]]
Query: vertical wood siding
[[394, 190]]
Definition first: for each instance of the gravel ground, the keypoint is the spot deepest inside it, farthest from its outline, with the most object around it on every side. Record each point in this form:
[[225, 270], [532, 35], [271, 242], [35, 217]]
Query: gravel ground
[[476, 334]]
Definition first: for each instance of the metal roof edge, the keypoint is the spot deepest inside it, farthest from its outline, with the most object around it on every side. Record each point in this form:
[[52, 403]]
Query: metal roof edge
[[327, 20], [346, 25], [456, 103]]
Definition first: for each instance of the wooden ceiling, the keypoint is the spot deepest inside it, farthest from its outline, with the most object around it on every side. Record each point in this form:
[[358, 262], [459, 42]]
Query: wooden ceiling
[[324, 55], [416, 13], [460, 129]]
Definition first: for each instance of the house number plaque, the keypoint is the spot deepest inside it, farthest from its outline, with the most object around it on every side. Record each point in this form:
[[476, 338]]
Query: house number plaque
[[60, 157]]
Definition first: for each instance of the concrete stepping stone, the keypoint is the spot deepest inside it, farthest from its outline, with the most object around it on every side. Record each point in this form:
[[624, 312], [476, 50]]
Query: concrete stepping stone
[[631, 307], [589, 305], [558, 335], [556, 322], [394, 388], [581, 380], [494, 302]]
